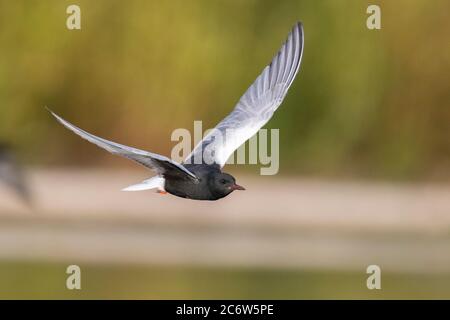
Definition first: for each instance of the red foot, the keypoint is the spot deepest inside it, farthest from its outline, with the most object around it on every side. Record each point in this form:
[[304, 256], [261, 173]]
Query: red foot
[[161, 192]]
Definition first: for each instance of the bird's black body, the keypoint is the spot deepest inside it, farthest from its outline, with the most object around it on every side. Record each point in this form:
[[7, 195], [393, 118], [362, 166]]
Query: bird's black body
[[212, 183]]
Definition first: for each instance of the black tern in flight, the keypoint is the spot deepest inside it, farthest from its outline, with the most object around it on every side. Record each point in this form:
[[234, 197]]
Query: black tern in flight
[[200, 176]]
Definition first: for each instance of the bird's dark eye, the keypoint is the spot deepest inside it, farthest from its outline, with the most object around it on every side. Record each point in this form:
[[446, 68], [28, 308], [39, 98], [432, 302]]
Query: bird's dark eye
[[223, 181]]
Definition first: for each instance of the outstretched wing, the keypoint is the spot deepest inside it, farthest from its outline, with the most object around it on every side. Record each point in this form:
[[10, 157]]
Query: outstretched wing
[[162, 165], [255, 107]]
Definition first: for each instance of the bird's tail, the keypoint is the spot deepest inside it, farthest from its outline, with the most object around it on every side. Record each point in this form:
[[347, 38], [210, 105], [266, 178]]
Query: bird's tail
[[154, 182]]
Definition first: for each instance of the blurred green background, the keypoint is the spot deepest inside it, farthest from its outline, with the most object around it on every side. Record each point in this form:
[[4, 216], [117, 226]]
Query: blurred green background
[[365, 103]]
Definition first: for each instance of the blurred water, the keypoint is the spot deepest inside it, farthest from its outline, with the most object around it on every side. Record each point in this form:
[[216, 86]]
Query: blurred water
[[281, 238]]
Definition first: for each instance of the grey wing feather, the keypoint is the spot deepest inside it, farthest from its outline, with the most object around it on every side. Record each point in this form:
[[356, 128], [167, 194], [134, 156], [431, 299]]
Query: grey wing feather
[[256, 106], [162, 165]]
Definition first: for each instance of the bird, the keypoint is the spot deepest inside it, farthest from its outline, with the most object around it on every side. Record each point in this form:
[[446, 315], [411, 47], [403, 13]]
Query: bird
[[11, 173], [200, 175]]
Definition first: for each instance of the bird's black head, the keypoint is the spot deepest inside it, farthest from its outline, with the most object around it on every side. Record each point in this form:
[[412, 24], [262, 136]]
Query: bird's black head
[[223, 184]]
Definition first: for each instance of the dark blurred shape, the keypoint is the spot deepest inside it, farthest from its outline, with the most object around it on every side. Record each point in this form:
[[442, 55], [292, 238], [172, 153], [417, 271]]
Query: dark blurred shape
[[11, 173]]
